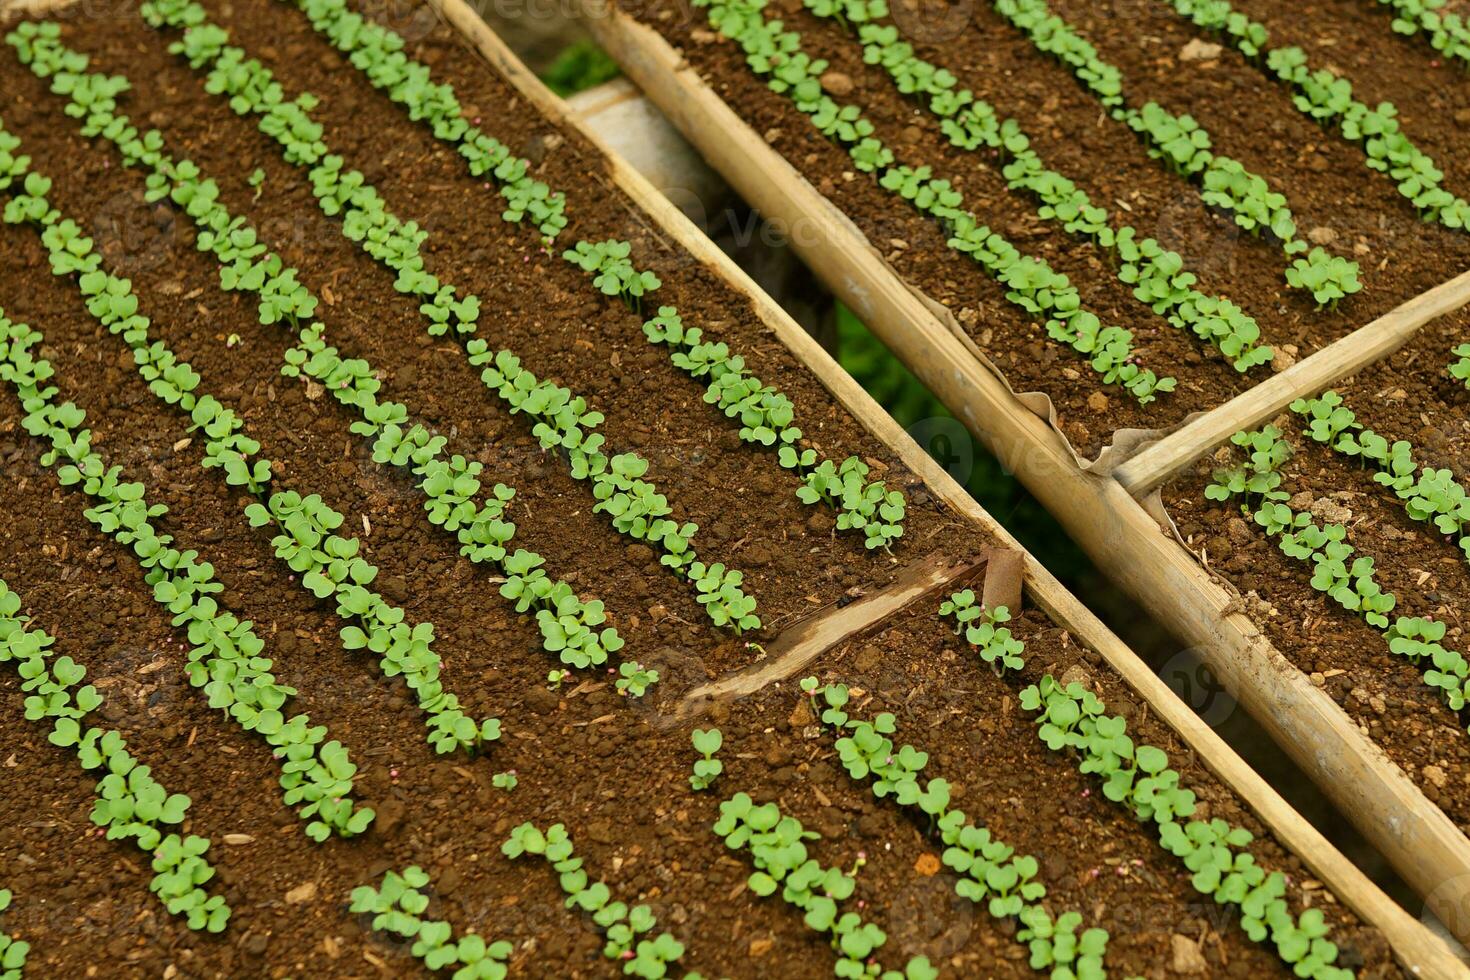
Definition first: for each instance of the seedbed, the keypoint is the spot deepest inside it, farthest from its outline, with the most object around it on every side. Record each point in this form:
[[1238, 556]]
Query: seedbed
[[701, 481], [175, 376], [1336, 203], [1093, 854], [1406, 398]]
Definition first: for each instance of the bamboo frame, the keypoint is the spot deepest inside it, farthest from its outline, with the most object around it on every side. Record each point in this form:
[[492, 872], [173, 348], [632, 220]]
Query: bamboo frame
[[1421, 842], [1160, 461]]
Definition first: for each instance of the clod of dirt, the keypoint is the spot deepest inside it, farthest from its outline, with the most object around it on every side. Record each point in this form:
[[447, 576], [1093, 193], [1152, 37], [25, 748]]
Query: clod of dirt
[[541, 701], [1198, 50], [1076, 675], [1186, 957], [390, 814], [1331, 510], [301, 894], [801, 715], [868, 658], [837, 83]]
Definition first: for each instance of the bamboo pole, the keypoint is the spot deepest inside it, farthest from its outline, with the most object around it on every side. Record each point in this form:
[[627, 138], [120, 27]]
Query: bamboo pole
[[1160, 461], [1420, 841]]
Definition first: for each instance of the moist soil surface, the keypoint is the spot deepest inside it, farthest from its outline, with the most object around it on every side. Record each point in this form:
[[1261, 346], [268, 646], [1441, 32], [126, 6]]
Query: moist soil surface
[[1335, 198], [1408, 397], [605, 765]]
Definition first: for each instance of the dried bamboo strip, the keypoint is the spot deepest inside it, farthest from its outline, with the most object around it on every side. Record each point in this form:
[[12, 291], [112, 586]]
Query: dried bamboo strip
[[797, 647], [1158, 462]]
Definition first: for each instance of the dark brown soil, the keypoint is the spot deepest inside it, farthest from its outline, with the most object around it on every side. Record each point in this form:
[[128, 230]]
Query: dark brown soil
[[1325, 180], [584, 756], [1406, 397], [1034, 799], [1355, 40], [652, 407]]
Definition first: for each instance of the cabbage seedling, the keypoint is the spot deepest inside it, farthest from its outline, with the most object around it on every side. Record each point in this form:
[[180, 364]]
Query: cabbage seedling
[[981, 629], [1460, 368], [706, 743], [635, 679], [13, 952], [504, 780], [397, 907]]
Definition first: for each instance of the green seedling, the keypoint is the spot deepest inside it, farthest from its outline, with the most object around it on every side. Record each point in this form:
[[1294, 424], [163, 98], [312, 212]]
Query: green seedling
[[707, 768], [634, 679]]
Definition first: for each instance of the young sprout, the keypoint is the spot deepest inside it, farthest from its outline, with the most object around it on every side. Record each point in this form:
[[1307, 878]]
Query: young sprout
[[505, 780], [1460, 367], [635, 680], [556, 678], [13, 952], [706, 743]]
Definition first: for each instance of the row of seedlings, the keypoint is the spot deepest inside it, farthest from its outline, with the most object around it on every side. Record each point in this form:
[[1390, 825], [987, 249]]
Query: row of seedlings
[[13, 952], [1071, 720], [1445, 29], [225, 657], [130, 804], [397, 907], [1327, 98], [568, 625], [988, 871], [777, 846], [1158, 276], [776, 54], [1138, 777], [563, 421], [307, 538], [1338, 571], [1186, 148], [623, 927], [765, 415]]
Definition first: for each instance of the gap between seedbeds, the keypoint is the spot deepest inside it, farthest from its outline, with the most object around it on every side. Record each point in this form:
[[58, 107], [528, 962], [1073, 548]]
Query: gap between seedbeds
[[1157, 462]]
